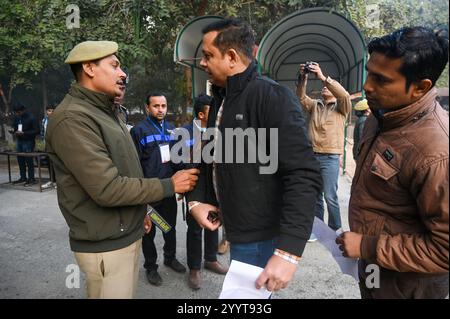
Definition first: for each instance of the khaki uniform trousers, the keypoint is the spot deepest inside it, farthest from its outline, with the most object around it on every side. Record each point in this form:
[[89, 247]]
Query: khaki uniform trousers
[[111, 274]]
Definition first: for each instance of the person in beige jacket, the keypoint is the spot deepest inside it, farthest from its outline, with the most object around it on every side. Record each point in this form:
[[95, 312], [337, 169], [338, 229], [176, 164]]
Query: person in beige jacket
[[326, 130]]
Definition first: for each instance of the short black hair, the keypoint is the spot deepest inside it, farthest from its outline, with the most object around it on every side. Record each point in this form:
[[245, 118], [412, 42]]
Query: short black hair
[[17, 106], [233, 33], [200, 102], [150, 95], [77, 68], [424, 52]]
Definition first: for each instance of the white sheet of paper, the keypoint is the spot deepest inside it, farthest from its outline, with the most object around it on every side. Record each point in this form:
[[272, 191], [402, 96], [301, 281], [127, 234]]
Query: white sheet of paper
[[327, 237], [19, 127], [240, 281], [165, 153]]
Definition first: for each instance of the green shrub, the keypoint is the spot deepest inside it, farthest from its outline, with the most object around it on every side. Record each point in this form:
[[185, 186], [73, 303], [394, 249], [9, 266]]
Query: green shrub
[[40, 146]]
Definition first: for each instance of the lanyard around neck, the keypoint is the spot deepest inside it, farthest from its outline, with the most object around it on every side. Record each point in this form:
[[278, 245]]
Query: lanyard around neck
[[161, 132], [156, 126]]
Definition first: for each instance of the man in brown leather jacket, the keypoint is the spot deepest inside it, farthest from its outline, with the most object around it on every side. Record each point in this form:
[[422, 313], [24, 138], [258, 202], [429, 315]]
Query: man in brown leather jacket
[[398, 209]]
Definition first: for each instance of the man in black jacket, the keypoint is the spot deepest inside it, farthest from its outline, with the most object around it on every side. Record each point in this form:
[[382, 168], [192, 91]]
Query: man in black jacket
[[25, 129], [268, 217]]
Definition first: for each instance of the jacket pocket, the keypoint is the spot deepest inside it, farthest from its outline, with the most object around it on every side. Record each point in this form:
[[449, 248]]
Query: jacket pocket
[[382, 169], [105, 225]]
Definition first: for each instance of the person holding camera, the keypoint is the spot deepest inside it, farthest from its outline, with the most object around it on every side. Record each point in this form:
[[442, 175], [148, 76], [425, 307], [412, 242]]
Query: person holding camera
[[326, 130]]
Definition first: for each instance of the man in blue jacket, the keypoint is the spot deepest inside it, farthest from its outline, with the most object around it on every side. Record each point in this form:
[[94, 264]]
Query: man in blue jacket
[[268, 215], [152, 138], [48, 113]]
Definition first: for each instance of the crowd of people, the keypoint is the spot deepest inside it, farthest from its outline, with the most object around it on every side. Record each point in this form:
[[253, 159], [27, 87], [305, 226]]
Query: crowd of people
[[110, 176]]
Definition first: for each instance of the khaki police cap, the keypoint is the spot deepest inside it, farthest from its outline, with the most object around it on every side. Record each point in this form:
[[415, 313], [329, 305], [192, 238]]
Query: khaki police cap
[[361, 105], [91, 50]]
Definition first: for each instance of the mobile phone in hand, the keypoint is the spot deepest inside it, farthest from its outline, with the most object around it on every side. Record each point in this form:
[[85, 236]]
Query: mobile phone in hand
[[213, 216]]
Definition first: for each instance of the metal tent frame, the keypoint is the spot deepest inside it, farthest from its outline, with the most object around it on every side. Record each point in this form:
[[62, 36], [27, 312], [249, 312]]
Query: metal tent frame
[[188, 51], [317, 34]]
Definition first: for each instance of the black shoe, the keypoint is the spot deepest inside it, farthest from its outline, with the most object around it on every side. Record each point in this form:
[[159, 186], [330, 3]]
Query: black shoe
[[153, 277], [175, 265], [20, 181], [30, 182]]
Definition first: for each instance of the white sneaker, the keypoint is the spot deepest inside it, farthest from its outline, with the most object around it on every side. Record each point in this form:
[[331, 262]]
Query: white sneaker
[[312, 238], [48, 185]]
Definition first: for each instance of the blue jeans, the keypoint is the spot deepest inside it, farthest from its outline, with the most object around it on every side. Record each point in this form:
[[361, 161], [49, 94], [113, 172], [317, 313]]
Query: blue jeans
[[329, 168], [24, 162], [256, 253]]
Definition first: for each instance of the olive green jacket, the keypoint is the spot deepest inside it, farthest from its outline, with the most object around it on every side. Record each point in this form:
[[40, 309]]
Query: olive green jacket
[[102, 191]]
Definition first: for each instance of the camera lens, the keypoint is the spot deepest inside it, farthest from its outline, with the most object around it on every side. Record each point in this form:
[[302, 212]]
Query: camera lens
[[307, 69]]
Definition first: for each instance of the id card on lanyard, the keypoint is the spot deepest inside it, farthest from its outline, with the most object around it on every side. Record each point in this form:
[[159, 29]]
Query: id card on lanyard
[[164, 148], [165, 152]]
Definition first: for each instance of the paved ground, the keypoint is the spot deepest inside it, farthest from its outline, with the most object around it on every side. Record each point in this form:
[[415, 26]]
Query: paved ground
[[34, 255]]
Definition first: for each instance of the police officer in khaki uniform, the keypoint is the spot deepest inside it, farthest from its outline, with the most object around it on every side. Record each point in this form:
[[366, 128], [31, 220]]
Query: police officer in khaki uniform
[[102, 192]]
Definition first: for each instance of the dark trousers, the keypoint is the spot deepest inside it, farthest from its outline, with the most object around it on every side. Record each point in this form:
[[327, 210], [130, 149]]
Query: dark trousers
[[24, 162], [194, 243], [167, 208], [45, 161], [396, 285]]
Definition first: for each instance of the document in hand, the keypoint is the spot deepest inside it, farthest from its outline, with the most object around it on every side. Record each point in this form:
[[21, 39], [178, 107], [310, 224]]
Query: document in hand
[[240, 281], [327, 237]]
